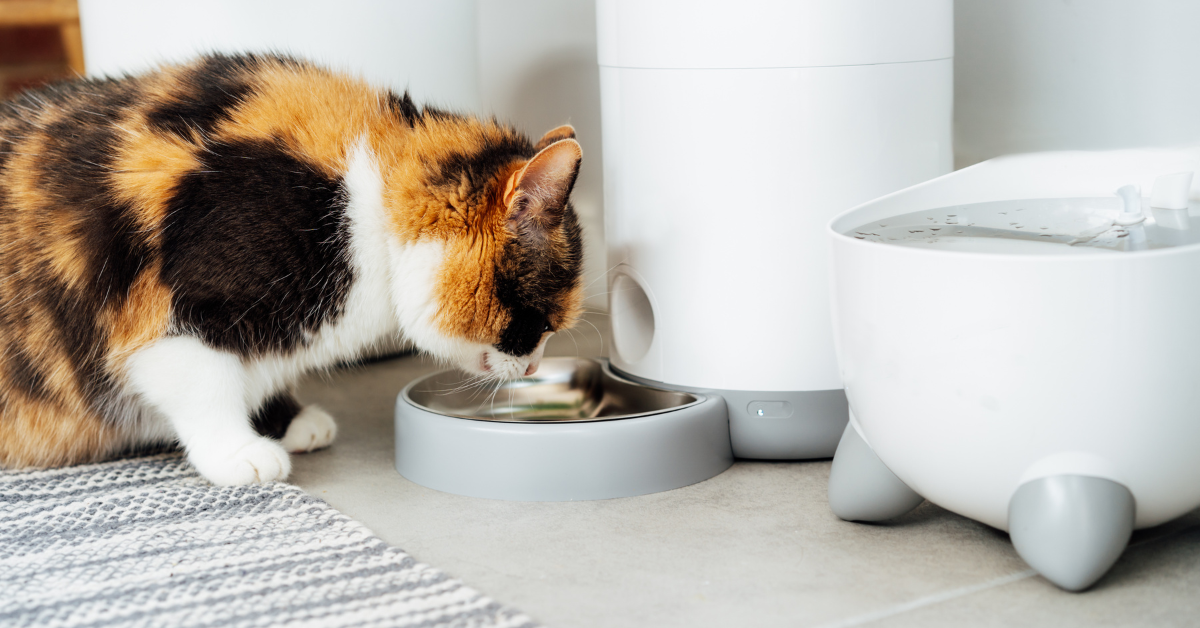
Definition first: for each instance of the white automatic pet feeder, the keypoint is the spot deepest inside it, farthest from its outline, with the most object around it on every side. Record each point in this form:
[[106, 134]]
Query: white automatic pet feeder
[[732, 133], [1019, 344]]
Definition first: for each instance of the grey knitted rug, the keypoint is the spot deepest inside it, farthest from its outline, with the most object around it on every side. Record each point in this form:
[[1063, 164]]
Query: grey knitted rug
[[147, 542]]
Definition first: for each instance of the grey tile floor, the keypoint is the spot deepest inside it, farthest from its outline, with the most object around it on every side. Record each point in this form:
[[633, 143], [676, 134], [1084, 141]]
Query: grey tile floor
[[754, 546]]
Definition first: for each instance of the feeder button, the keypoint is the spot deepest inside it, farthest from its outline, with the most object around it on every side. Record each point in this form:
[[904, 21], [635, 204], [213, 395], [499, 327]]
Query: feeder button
[[769, 409]]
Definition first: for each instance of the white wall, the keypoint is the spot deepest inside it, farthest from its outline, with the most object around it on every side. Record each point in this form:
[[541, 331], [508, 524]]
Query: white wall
[[1034, 75], [537, 69]]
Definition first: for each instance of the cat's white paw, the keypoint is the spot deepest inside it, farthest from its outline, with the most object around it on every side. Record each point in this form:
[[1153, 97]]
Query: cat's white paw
[[312, 429], [259, 460]]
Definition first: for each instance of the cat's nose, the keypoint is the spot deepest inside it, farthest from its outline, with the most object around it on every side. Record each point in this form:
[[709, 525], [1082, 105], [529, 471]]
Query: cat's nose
[[536, 358]]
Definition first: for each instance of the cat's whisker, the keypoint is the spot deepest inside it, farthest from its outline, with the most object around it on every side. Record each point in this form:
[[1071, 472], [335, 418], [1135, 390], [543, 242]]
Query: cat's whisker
[[571, 335], [478, 382], [605, 273], [492, 398], [481, 388], [601, 294], [458, 387], [599, 336]]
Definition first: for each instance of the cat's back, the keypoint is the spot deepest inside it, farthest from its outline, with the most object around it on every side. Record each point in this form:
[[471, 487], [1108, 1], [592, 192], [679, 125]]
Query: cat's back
[[127, 137], [90, 169]]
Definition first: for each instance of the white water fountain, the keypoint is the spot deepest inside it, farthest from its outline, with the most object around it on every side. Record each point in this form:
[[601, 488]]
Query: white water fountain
[[1019, 344]]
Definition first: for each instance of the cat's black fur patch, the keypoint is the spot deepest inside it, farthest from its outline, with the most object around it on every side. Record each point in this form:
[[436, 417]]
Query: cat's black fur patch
[[439, 114], [25, 375], [275, 415], [480, 166], [403, 107], [254, 250], [530, 282], [215, 88], [77, 326], [524, 332], [119, 251]]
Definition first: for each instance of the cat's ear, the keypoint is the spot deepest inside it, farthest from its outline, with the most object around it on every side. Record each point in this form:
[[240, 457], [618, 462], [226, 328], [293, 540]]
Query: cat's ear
[[564, 132], [537, 194]]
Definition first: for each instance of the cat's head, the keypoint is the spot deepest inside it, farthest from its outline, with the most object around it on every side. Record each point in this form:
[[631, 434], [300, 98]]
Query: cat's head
[[507, 250]]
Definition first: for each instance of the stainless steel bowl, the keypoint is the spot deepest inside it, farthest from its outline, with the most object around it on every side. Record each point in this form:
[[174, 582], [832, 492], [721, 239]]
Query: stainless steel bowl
[[563, 390], [573, 431]]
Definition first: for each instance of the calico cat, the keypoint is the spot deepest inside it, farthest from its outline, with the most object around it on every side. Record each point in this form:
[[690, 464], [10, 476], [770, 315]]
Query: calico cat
[[178, 248]]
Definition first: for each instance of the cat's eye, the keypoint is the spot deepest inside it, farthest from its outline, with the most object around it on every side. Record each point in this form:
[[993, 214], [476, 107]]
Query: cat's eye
[[548, 328]]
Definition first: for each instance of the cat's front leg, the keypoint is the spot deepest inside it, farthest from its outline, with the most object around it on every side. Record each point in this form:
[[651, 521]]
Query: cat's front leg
[[201, 392], [298, 429]]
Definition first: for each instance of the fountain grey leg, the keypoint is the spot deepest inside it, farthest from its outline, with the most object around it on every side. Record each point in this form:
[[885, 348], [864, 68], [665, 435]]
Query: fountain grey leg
[[1071, 528], [862, 488]]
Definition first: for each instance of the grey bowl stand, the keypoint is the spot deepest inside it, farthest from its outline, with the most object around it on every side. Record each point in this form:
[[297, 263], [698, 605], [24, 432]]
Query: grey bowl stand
[[1070, 528], [563, 461], [810, 428]]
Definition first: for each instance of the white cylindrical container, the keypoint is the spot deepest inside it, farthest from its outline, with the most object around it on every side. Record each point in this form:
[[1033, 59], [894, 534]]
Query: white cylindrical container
[[732, 133]]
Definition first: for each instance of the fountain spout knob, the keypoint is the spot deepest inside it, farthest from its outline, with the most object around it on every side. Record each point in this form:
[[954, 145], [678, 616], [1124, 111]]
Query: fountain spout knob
[[1132, 215]]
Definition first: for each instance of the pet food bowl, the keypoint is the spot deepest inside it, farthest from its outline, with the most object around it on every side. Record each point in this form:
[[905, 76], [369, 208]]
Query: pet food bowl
[[1045, 382], [572, 431]]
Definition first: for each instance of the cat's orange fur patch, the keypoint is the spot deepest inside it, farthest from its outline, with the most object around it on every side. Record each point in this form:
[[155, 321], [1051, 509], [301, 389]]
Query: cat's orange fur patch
[[440, 213], [466, 291], [572, 309], [39, 434], [313, 111], [465, 281], [140, 320], [147, 167], [35, 218]]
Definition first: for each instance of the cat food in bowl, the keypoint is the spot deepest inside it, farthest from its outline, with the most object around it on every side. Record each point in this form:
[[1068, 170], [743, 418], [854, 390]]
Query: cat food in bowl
[[572, 431]]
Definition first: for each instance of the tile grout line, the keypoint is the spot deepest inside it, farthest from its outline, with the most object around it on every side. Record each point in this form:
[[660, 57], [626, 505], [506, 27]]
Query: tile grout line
[[928, 600]]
